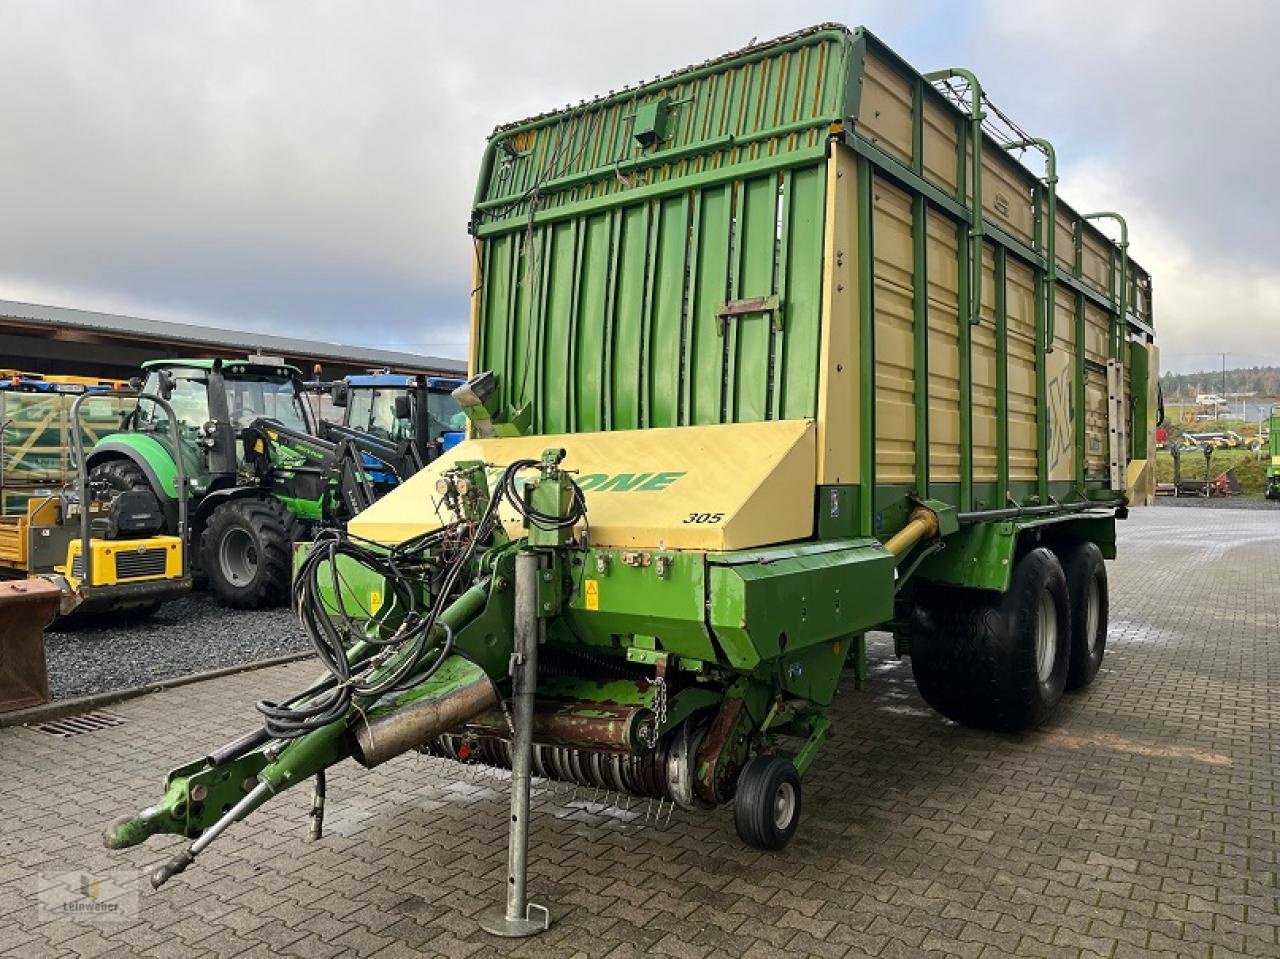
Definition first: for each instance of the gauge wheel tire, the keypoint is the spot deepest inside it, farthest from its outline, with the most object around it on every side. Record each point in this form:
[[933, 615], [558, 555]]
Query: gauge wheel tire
[[991, 660], [766, 809], [1086, 574], [245, 553]]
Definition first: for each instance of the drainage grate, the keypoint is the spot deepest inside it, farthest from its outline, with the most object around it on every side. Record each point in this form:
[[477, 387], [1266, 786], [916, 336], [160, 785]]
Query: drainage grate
[[85, 723]]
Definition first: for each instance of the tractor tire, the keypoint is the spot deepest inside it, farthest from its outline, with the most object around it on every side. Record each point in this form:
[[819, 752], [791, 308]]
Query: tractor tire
[[1086, 574], [996, 661], [246, 553], [766, 808], [122, 475]]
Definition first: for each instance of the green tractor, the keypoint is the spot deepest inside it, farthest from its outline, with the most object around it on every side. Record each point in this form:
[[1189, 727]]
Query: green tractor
[[259, 477]]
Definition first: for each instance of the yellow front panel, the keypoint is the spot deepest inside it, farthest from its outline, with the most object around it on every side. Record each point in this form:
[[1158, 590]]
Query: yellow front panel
[[944, 349], [112, 560], [720, 487], [1020, 305], [894, 335]]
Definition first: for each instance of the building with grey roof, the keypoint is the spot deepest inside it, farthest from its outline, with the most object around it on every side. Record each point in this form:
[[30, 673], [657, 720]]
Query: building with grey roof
[[52, 339]]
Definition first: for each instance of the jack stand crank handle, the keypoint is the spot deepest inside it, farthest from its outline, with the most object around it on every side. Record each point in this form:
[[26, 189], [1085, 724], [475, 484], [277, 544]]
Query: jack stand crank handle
[[316, 830], [515, 921]]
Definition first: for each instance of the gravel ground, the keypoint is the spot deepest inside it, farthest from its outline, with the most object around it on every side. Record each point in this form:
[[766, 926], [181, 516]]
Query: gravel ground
[[195, 634], [186, 636], [1217, 502]]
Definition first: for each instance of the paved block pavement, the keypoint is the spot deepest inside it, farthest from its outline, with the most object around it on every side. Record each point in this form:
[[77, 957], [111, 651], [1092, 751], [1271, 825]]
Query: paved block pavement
[[1142, 822]]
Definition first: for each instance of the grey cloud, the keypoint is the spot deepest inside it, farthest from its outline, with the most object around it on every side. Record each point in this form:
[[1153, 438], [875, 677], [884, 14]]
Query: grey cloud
[[308, 167]]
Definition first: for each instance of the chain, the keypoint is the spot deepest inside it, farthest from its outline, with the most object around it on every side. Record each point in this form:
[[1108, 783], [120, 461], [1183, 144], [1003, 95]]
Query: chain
[[649, 734]]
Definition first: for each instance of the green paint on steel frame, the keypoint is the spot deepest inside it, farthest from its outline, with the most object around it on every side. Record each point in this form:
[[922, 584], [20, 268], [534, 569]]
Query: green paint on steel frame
[[610, 264], [982, 555], [154, 455], [603, 306]]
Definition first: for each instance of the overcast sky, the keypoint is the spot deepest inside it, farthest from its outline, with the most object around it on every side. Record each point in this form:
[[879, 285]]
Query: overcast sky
[[307, 168]]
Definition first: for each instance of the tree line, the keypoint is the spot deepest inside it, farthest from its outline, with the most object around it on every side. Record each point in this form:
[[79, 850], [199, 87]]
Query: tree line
[[1262, 380]]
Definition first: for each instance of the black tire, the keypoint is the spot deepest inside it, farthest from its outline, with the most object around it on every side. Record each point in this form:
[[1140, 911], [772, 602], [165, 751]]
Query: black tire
[[1086, 574], [766, 808], [123, 475], [246, 551], [974, 654]]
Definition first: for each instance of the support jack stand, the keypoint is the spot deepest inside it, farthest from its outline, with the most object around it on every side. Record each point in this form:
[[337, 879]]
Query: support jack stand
[[516, 920]]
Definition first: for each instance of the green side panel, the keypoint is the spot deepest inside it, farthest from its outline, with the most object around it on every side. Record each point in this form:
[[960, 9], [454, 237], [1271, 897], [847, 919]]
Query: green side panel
[[302, 508], [981, 555], [631, 600], [152, 453], [363, 591], [1139, 373], [778, 97], [614, 321], [617, 268], [666, 317], [767, 602]]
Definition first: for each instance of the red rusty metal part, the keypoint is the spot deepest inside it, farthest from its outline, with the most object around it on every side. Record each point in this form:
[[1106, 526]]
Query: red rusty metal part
[[27, 606]]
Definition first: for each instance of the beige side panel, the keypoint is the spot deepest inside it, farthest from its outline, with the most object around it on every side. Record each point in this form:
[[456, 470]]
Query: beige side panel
[[1095, 264], [1020, 305], [838, 372], [1065, 253], [1097, 325], [1006, 195], [940, 145], [884, 117], [983, 366], [1060, 381], [944, 350], [1095, 424], [894, 336]]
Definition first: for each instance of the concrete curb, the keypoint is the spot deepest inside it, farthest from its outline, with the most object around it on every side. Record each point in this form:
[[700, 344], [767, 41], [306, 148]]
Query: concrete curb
[[62, 708]]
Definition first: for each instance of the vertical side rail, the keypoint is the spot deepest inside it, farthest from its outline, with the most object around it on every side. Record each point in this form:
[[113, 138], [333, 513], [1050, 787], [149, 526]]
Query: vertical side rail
[[1117, 430], [514, 921], [866, 355], [1042, 397], [1082, 438], [920, 294], [1002, 380], [920, 303]]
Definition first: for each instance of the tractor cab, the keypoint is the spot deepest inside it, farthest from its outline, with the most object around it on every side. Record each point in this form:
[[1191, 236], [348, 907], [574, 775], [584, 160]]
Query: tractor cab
[[215, 401], [399, 407]]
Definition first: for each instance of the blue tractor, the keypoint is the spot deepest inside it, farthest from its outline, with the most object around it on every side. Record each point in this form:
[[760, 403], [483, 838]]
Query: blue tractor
[[401, 407]]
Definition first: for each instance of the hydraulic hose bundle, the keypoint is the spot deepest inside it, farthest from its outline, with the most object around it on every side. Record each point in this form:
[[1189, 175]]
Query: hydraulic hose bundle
[[366, 661]]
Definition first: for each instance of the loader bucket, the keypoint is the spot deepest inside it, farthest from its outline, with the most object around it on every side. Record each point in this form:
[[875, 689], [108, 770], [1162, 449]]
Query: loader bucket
[[27, 606]]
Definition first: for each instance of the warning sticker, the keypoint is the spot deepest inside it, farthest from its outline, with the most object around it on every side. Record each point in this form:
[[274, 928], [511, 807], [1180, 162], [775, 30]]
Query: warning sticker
[[591, 591], [375, 601]]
